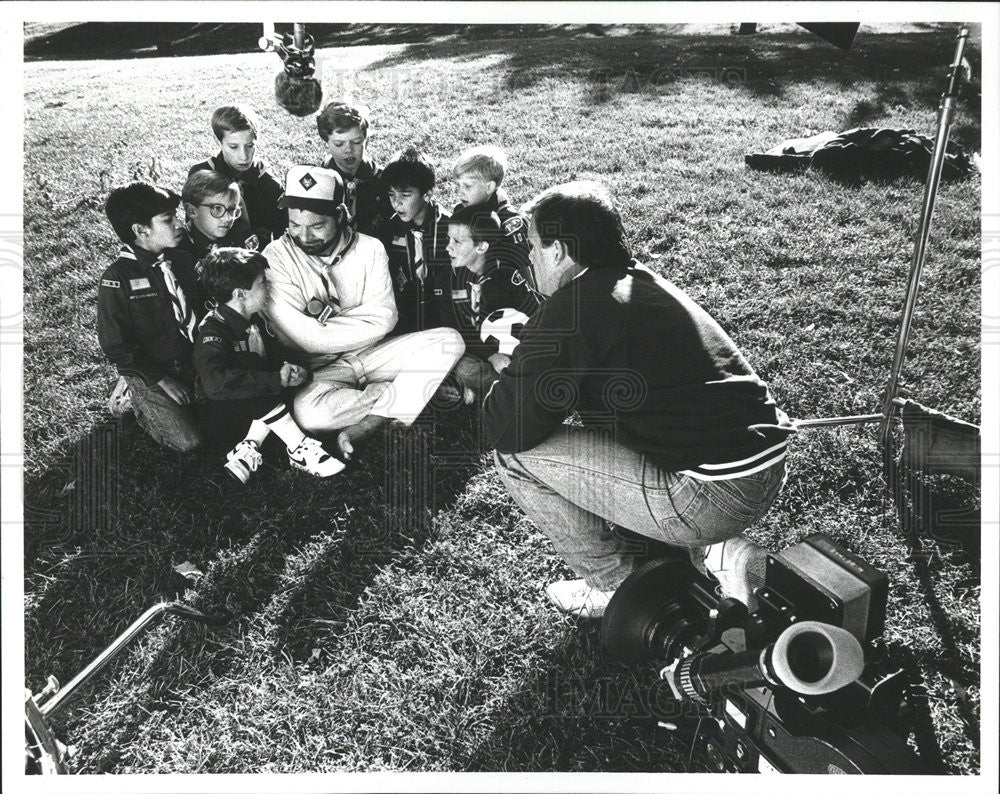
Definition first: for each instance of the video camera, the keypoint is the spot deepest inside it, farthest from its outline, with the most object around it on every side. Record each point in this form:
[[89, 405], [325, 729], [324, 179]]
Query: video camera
[[802, 684]]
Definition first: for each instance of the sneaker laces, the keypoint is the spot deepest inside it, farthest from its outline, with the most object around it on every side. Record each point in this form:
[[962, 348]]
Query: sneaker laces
[[247, 453], [311, 448]]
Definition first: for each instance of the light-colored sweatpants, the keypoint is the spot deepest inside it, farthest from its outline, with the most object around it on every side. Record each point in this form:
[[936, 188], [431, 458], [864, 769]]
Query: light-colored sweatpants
[[395, 378]]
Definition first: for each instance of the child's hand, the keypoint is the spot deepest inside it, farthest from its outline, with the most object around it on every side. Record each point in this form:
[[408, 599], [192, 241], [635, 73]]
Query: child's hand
[[499, 361], [293, 374], [175, 390]]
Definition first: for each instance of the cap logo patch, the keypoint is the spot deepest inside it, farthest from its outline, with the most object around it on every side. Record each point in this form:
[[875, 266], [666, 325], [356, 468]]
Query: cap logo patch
[[307, 181]]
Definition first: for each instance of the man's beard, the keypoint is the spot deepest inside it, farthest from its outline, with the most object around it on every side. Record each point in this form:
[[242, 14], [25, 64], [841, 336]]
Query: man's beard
[[317, 249]]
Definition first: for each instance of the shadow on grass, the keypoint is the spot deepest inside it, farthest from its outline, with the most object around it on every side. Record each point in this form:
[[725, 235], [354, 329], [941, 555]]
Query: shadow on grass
[[613, 60], [105, 526], [117, 40], [578, 710]]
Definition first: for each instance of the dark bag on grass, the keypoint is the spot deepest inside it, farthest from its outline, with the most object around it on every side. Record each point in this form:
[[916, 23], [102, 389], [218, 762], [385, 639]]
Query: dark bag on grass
[[876, 153]]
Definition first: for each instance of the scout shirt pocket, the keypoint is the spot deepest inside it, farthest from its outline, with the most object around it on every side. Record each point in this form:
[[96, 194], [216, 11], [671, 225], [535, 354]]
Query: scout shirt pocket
[[151, 312]]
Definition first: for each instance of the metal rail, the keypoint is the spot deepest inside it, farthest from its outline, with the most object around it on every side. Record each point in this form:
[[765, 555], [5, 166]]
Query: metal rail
[[143, 622]]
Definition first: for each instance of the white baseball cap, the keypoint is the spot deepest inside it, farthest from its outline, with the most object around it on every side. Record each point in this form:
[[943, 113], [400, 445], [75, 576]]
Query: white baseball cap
[[309, 187]]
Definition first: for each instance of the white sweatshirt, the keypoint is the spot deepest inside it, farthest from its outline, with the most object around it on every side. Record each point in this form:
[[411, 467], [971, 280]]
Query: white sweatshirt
[[354, 285]]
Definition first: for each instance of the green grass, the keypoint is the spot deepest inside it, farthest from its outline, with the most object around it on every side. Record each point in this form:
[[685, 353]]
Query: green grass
[[378, 623]]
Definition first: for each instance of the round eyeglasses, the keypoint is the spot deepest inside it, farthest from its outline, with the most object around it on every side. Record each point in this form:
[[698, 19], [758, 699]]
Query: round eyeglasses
[[221, 210]]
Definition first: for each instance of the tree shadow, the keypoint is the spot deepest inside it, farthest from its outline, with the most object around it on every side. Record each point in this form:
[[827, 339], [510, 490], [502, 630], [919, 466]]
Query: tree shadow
[[117, 40], [653, 59], [106, 525]]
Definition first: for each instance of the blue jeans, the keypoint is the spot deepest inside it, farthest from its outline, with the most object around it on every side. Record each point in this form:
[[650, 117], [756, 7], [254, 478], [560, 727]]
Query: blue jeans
[[579, 478], [169, 424]]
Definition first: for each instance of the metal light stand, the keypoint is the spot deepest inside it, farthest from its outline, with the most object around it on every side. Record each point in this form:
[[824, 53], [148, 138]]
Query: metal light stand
[[946, 112]]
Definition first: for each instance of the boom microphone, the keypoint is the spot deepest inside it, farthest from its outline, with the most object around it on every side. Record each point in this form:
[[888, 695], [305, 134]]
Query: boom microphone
[[295, 87]]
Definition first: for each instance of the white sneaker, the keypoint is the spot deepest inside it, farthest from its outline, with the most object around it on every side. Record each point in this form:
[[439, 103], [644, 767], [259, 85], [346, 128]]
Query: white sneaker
[[120, 399], [576, 597], [311, 457], [243, 460], [739, 566]]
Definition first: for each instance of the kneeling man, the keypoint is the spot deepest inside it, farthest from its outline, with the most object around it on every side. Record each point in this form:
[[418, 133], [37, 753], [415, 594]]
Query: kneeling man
[[331, 300], [678, 439]]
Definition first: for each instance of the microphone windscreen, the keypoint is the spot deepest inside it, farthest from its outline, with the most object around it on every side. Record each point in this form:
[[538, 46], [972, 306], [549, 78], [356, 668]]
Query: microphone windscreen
[[299, 96]]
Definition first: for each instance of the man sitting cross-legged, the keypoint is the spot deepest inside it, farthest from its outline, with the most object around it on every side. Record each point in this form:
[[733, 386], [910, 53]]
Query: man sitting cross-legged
[[331, 299]]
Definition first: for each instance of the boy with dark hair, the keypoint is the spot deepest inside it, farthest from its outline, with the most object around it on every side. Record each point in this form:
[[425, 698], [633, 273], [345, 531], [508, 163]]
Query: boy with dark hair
[[344, 129], [148, 305], [242, 373], [214, 214], [478, 284], [238, 130], [479, 173], [415, 238]]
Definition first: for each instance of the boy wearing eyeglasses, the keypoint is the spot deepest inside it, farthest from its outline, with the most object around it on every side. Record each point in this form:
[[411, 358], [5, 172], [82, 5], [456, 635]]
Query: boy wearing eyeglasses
[[238, 130], [214, 215]]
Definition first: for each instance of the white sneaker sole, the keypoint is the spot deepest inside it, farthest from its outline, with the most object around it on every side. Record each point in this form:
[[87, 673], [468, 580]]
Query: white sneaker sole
[[302, 467], [238, 472]]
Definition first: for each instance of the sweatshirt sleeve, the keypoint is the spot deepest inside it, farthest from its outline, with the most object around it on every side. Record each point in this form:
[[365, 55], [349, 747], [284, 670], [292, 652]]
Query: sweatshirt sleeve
[[540, 388], [350, 329], [116, 335]]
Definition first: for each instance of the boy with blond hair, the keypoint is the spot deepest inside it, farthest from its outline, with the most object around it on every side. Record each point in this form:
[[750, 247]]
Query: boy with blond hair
[[214, 214], [479, 174]]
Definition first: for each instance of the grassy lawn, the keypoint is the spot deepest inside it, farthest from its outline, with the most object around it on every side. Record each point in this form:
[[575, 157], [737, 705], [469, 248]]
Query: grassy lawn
[[393, 617]]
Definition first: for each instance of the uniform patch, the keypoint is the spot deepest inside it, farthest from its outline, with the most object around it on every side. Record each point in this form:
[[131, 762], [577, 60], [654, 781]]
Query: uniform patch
[[252, 243], [438, 292], [107, 282], [206, 338], [242, 347], [459, 295], [139, 283], [513, 226]]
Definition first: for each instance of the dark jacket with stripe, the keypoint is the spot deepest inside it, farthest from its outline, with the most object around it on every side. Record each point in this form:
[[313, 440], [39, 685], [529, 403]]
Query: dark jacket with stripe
[[464, 299], [136, 325], [415, 300], [260, 193], [225, 366], [367, 202], [513, 247], [630, 351]]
